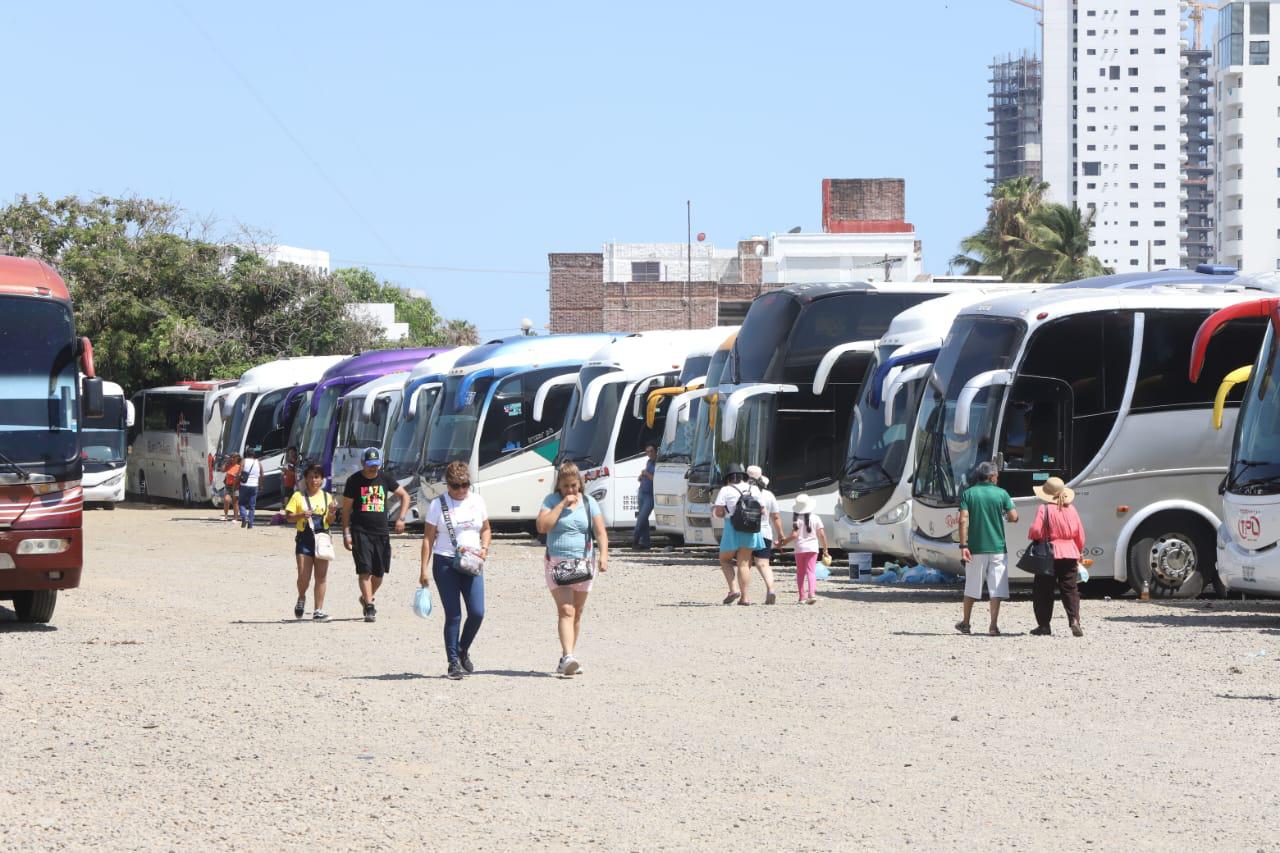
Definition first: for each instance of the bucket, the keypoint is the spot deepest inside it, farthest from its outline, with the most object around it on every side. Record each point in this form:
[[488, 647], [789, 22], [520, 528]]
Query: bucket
[[859, 566]]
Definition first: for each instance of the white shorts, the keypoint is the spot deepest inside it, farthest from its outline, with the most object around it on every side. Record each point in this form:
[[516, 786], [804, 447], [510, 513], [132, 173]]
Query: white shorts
[[989, 567]]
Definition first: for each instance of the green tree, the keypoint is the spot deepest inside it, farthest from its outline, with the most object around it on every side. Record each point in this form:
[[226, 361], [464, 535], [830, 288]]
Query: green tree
[[990, 251], [1056, 246], [458, 333], [162, 302]]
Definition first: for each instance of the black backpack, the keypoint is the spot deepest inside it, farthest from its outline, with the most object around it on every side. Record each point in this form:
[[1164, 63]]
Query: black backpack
[[747, 513]]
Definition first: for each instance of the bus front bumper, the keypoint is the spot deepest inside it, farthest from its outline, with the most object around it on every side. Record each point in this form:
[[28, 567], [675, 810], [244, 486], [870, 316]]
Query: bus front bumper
[[941, 554], [892, 537], [1245, 571], [21, 571]]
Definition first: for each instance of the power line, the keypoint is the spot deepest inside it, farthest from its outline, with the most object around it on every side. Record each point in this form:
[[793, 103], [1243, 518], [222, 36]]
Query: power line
[[400, 265], [315, 164]]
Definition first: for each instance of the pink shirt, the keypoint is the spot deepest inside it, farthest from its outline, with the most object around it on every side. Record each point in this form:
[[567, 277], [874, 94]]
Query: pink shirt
[[1062, 527]]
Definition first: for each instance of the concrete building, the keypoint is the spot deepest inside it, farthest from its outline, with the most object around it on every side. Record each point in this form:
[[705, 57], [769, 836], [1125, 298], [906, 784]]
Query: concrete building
[[1247, 115], [316, 260], [632, 287], [1112, 109], [1197, 135], [1016, 94], [382, 314]]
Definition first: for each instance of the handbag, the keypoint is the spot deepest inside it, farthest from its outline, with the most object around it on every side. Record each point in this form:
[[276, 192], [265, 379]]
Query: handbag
[[1038, 558], [244, 474], [323, 548], [578, 569], [464, 561]]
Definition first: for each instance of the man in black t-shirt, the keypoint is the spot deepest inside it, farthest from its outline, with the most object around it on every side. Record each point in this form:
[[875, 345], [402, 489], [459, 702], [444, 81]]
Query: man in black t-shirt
[[364, 524]]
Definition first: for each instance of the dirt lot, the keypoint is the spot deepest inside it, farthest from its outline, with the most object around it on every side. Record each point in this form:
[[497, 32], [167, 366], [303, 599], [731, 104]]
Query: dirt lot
[[175, 702]]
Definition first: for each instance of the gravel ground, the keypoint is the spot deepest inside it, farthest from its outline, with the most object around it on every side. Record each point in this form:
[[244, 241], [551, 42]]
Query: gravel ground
[[175, 702]]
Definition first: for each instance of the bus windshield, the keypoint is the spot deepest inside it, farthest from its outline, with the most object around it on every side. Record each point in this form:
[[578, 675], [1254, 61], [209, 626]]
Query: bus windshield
[[301, 419], [878, 451], [763, 337], [39, 404], [233, 430], [409, 435], [317, 430], [1255, 460], [453, 430], [946, 460], [752, 434], [587, 442], [102, 440]]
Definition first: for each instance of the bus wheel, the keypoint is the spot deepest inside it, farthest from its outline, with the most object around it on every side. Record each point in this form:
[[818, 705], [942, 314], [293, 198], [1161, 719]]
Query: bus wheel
[[188, 500], [35, 605], [1167, 553]]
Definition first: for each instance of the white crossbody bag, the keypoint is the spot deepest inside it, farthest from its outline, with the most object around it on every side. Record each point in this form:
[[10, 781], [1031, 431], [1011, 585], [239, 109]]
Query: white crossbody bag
[[324, 542]]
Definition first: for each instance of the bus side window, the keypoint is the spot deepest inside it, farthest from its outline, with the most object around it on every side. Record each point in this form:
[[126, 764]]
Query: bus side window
[[503, 429], [1035, 443], [553, 412], [262, 433], [156, 414]]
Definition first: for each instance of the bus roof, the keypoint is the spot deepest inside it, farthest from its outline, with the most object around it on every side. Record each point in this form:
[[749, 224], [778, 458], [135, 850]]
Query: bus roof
[[438, 363], [647, 353], [933, 318], [195, 388], [1224, 278], [31, 277], [284, 372], [1052, 304], [359, 369], [529, 352]]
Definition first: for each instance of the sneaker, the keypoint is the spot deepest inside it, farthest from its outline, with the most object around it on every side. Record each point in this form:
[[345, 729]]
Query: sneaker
[[1076, 630], [813, 599], [771, 598], [465, 660], [1039, 631], [560, 666], [993, 631], [299, 608], [568, 666], [456, 672], [730, 598], [320, 616], [962, 627], [370, 613]]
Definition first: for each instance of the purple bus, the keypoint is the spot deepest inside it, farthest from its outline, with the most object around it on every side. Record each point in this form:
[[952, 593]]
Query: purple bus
[[315, 426]]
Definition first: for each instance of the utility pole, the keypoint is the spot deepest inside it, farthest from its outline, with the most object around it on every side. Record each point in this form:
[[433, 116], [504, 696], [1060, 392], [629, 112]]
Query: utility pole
[[688, 267]]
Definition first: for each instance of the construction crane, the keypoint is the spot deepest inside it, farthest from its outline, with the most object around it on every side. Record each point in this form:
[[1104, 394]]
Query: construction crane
[[1034, 6], [1196, 15]]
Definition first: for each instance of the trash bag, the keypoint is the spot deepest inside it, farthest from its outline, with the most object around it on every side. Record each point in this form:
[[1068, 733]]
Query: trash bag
[[887, 576], [422, 601], [823, 572]]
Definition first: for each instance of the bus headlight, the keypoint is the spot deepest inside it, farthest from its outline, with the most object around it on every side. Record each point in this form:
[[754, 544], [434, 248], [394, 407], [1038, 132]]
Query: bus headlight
[[1222, 537], [43, 546], [895, 515], [113, 481], [599, 494]]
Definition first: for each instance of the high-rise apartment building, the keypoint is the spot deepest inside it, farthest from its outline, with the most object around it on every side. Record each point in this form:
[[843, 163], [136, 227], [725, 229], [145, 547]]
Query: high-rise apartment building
[[1197, 146], [1247, 116], [1112, 124], [1015, 118]]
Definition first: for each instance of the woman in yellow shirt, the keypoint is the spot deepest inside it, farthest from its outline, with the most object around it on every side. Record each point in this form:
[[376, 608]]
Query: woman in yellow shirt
[[312, 510]]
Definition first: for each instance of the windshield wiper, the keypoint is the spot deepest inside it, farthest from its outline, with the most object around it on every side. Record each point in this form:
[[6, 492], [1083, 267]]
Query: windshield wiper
[[7, 462]]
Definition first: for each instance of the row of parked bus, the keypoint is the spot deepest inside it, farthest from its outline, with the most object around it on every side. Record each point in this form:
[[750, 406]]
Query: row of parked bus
[[877, 400]]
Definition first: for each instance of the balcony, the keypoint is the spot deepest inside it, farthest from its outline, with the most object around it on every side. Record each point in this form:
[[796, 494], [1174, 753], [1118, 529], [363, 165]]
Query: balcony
[[1232, 157], [1232, 128], [1231, 219]]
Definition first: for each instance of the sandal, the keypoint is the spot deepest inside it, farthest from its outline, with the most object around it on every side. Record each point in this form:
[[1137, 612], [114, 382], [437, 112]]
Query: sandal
[[744, 603], [993, 631], [962, 627], [730, 598], [1076, 630], [771, 598]]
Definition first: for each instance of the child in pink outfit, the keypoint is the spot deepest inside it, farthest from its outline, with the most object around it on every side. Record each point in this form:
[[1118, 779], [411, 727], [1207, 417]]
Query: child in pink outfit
[[808, 534]]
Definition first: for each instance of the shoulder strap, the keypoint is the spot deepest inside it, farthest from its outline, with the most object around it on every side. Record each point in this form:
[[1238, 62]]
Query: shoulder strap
[[591, 531], [448, 522]]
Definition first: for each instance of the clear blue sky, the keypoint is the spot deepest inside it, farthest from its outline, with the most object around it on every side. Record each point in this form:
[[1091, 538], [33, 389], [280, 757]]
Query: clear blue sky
[[487, 135]]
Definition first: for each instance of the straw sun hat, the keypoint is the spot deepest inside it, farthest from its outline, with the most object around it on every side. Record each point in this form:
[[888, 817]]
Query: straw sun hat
[[1052, 490]]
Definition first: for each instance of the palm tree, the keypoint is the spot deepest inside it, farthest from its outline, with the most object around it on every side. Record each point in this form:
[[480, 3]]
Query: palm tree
[[1056, 246], [458, 333], [989, 251]]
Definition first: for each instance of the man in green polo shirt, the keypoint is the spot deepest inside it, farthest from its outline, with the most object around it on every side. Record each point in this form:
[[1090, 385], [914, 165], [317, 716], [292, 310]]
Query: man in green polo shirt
[[983, 508]]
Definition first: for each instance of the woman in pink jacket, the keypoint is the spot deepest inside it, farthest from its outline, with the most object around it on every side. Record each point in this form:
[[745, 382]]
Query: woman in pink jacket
[[1057, 520]]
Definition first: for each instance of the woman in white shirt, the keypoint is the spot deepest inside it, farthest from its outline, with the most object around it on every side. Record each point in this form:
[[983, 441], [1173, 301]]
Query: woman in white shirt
[[737, 545], [807, 532], [470, 532]]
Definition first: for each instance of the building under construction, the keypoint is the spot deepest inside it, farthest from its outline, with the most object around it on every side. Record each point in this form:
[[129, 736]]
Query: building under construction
[[1015, 118], [1197, 171]]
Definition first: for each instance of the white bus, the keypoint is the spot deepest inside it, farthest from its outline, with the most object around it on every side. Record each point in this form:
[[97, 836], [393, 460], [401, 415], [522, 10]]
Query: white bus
[[874, 510], [605, 430], [104, 448], [174, 436], [500, 411], [1248, 560], [1091, 386], [251, 418], [364, 420], [675, 453]]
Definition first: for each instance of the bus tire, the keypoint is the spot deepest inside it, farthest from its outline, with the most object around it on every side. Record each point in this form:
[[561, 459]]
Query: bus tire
[[1166, 552], [188, 499], [109, 505], [35, 606]]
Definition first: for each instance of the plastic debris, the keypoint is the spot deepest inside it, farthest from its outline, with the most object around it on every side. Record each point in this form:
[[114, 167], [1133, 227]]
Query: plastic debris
[[822, 572]]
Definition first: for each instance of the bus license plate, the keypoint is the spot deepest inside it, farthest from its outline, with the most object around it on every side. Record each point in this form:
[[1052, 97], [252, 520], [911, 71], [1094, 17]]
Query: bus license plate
[[700, 536], [1247, 574]]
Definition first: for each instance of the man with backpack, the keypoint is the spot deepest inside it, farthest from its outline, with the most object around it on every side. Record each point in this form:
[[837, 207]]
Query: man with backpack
[[739, 504]]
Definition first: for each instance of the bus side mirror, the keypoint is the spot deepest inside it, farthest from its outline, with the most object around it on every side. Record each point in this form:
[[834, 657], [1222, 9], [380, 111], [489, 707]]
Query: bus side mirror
[[687, 471], [130, 413], [92, 403], [999, 460]]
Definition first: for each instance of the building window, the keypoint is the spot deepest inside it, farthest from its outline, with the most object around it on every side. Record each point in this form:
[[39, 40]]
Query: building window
[[1133, 147], [1092, 89], [1133, 242], [1091, 148], [1158, 127], [1133, 72], [1133, 51], [1159, 204], [1133, 32], [1133, 109], [1133, 165], [1133, 223], [1159, 50], [646, 271], [1160, 108], [1259, 19], [1159, 89], [1133, 204], [1092, 52], [1159, 31], [1133, 90], [1092, 167], [1159, 242], [1115, 72], [1159, 223], [1159, 12], [1133, 262], [1158, 262], [1159, 185], [1091, 32], [1159, 146], [1133, 186], [1091, 186], [1133, 128], [1259, 53]]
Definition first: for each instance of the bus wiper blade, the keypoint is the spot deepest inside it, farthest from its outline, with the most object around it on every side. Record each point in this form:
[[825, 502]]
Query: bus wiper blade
[[7, 462], [1251, 463]]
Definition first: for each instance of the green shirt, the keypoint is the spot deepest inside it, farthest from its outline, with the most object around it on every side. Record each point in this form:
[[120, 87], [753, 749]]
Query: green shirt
[[986, 504]]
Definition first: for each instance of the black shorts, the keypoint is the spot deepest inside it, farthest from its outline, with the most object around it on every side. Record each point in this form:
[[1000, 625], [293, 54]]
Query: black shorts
[[765, 553], [372, 552]]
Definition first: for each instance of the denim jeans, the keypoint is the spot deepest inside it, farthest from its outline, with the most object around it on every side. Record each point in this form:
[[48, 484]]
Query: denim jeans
[[640, 536], [455, 588], [248, 504]]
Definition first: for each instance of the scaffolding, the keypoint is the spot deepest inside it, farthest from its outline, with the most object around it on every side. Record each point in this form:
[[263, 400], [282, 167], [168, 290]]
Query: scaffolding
[[1016, 87], [1197, 173]]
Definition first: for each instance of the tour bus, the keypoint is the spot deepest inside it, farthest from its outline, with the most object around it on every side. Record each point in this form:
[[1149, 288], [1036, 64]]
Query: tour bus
[[675, 453], [798, 364], [172, 442], [873, 513], [605, 429], [316, 425], [249, 415], [364, 420], [1248, 560], [45, 401], [406, 442], [501, 410], [1088, 385], [104, 447]]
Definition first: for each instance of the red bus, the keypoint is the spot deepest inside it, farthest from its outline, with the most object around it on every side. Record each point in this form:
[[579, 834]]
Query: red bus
[[42, 403]]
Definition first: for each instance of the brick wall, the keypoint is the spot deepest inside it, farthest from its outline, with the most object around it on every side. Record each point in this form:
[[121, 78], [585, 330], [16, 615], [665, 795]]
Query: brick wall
[[577, 291], [851, 205]]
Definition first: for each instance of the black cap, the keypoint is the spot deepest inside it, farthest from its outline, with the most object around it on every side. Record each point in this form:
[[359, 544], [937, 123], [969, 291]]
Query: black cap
[[734, 468], [372, 456]]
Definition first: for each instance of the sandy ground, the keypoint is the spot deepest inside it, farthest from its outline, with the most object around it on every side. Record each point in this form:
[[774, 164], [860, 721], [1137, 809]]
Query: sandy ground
[[176, 703]]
